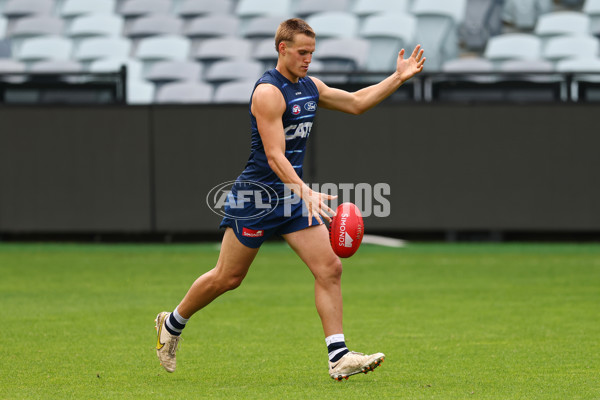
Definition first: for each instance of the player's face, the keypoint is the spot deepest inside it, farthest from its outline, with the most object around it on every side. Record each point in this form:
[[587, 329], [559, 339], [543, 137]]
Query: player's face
[[298, 55]]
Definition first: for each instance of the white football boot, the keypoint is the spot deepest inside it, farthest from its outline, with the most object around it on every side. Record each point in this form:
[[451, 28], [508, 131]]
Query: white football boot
[[166, 344], [353, 363]]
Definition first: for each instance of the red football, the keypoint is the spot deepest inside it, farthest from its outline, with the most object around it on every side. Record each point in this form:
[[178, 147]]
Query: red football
[[346, 230]]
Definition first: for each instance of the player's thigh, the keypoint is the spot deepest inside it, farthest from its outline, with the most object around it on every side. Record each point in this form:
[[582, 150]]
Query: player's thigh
[[235, 258], [313, 247]]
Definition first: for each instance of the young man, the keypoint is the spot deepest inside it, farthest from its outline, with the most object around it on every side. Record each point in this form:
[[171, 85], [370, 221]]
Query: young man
[[282, 109]]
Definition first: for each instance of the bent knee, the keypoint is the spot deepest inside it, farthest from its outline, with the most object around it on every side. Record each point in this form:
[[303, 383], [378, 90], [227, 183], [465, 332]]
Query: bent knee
[[332, 270], [233, 282], [226, 280]]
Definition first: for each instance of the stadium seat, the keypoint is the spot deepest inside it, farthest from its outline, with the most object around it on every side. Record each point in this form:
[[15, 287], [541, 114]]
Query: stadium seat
[[173, 71], [23, 8], [198, 8], [265, 53], [533, 71], [153, 25], [333, 56], [234, 92], [577, 64], [437, 29], [184, 92], [58, 66], [33, 26], [316, 66], [37, 25], [454, 9], [96, 48], [246, 10], [334, 24], [562, 23], [134, 67], [9, 66], [3, 26], [140, 92], [586, 70], [76, 8], [387, 34], [457, 78], [364, 8], [468, 64], [255, 8], [167, 47], [217, 49], [304, 8], [523, 14], [262, 28], [44, 48], [513, 46], [483, 19], [526, 66], [104, 25], [138, 8], [233, 70], [212, 26], [592, 9], [561, 47]]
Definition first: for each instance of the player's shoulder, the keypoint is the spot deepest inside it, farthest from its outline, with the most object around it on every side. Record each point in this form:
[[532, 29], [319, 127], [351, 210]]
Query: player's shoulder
[[266, 96], [318, 83], [268, 84], [267, 89]]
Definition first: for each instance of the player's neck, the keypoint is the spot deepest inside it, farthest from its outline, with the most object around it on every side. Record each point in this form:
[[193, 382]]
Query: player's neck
[[286, 73]]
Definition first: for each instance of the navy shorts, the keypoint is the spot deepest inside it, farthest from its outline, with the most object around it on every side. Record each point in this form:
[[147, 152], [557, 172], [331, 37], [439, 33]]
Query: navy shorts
[[252, 232]]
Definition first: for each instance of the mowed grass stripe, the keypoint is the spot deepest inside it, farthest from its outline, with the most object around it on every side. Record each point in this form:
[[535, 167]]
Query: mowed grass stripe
[[486, 321]]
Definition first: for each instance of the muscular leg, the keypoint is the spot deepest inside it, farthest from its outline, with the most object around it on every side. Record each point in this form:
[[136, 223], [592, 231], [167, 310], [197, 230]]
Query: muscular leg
[[312, 245], [232, 266]]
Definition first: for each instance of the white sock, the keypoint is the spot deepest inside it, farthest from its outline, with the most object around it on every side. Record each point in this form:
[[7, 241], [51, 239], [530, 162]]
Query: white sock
[[336, 346]]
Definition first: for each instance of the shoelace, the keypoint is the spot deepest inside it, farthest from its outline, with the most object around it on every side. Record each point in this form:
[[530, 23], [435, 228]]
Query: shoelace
[[173, 345]]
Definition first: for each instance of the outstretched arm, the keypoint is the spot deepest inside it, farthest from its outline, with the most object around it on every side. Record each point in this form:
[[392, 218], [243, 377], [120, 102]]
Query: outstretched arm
[[364, 99]]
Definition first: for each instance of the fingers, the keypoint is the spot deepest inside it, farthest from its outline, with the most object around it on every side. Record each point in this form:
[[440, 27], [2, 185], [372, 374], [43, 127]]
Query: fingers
[[317, 208], [416, 51]]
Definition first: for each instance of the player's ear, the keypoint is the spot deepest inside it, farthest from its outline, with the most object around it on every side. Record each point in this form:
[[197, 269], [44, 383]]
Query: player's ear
[[282, 47]]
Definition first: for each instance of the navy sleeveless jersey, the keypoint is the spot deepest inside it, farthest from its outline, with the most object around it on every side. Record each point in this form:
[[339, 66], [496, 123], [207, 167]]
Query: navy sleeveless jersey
[[301, 99]]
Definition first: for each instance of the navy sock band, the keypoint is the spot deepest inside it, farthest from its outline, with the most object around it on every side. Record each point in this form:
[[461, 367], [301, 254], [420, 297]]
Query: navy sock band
[[175, 323], [337, 350]]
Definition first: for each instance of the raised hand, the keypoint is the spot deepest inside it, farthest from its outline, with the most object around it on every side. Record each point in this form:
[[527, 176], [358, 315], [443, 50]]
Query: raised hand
[[407, 68]]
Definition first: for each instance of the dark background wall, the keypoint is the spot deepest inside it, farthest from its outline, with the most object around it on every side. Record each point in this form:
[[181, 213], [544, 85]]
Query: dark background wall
[[148, 169]]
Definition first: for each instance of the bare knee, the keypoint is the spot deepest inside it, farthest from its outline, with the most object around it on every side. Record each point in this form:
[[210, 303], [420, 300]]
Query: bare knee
[[226, 281], [330, 271]]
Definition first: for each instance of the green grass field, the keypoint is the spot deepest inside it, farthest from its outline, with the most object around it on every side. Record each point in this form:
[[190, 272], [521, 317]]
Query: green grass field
[[456, 321]]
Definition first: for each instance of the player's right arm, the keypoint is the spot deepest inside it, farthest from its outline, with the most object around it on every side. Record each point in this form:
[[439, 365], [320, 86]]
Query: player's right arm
[[268, 106]]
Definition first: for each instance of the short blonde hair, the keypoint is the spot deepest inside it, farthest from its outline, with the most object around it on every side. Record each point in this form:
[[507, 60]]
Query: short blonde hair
[[288, 29]]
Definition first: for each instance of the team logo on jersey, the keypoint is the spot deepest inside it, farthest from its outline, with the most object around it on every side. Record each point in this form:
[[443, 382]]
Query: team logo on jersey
[[296, 109], [301, 130], [310, 106]]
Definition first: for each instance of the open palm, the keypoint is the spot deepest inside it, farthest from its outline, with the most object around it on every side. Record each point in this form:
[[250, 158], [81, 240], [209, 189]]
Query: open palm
[[407, 68]]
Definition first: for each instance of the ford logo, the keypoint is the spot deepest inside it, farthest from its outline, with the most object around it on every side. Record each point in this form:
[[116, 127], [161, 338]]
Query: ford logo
[[310, 106]]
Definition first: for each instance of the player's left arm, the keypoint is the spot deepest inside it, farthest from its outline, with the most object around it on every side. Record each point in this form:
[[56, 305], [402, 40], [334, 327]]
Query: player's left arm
[[364, 99]]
